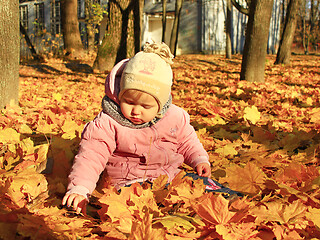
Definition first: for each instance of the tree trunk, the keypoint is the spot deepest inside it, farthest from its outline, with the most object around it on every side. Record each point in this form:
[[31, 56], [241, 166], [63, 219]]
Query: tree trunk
[[175, 28], [9, 52], [255, 47], [164, 20], [29, 43], [138, 16], [118, 42], [228, 30], [241, 8], [284, 52], [70, 28], [89, 25]]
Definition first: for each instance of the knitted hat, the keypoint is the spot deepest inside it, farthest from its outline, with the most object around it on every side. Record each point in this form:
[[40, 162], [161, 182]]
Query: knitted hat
[[149, 71]]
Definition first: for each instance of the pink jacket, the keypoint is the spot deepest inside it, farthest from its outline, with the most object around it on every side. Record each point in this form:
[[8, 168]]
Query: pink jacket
[[128, 155]]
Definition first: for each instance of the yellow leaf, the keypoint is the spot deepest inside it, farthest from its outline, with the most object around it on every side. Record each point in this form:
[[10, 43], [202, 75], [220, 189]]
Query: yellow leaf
[[315, 115], [24, 187], [239, 92], [313, 214], [27, 146], [116, 205], [252, 114], [309, 101], [160, 183], [57, 96], [235, 231], [143, 199], [125, 224], [142, 230], [180, 220], [227, 150], [24, 128], [9, 135]]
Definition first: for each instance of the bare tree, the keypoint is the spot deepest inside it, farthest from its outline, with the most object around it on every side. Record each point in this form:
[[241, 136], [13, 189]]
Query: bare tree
[[138, 13], [309, 26], [243, 9], [9, 52], [175, 28], [164, 19], [255, 47], [90, 26], [24, 33], [70, 28], [284, 52], [228, 30]]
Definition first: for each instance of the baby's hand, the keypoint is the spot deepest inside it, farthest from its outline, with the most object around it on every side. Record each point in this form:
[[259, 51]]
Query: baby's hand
[[78, 202], [203, 170]]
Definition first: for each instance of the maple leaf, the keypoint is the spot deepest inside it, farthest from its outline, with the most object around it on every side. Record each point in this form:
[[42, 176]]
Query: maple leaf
[[315, 115], [24, 187], [280, 212], [249, 179], [252, 114], [186, 192], [298, 176], [181, 225], [143, 229], [35, 227], [213, 209], [281, 232], [313, 214], [57, 96], [9, 135], [234, 231], [158, 188], [227, 150], [8, 230], [115, 206], [289, 120], [71, 129], [261, 135], [139, 201], [127, 205]]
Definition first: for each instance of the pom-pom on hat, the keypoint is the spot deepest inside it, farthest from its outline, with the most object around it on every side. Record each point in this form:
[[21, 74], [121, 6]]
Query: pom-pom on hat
[[149, 71]]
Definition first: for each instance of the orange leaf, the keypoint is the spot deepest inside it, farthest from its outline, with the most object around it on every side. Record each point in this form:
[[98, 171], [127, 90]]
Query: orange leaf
[[142, 230], [249, 179], [214, 209], [280, 212]]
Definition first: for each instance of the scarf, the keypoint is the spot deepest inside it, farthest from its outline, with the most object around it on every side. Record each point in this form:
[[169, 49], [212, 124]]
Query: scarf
[[113, 110]]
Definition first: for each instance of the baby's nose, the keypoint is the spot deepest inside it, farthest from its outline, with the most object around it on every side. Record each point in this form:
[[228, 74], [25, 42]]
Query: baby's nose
[[136, 110]]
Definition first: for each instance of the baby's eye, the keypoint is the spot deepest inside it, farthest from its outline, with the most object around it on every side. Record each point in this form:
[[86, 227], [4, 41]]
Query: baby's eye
[[146, 106]]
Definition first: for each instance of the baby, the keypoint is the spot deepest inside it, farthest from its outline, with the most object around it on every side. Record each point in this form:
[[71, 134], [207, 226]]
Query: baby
[[140, 134]]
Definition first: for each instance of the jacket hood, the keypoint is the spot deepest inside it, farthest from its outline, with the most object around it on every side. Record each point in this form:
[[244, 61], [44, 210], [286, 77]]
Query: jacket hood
[[112, 84]]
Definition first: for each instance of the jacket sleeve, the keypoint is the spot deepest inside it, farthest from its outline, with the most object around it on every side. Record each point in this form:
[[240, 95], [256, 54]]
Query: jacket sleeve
[[189, 144], [96, 146]]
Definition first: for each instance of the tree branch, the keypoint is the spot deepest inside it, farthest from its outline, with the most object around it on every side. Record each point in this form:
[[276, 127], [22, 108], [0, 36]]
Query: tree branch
[[240, 8]]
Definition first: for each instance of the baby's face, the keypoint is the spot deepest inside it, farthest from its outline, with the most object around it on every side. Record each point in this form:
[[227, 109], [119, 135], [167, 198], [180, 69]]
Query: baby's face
[[138, 107]]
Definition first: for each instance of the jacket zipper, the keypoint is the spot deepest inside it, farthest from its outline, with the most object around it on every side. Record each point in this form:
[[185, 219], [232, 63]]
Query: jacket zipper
[[159, 147]]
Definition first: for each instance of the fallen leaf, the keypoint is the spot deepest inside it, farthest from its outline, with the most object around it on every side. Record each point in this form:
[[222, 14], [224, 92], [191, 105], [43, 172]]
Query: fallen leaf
[[252, 114], [249, 179]]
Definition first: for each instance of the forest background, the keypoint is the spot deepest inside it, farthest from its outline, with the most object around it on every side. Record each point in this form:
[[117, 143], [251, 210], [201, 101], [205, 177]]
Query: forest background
[[262, 138]]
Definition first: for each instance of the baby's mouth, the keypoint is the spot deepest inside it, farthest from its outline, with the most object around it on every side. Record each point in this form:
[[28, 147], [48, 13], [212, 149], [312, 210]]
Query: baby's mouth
[[135, 120]]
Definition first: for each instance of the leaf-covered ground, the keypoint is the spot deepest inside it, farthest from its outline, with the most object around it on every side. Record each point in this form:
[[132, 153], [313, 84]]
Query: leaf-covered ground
[[263, 140]]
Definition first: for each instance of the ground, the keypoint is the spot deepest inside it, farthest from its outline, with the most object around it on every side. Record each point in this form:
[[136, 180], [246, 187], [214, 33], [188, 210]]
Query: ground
[[262, 139]]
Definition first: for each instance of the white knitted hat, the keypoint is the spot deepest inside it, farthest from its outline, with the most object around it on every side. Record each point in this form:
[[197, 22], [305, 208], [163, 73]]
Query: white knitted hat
[[149, 71]]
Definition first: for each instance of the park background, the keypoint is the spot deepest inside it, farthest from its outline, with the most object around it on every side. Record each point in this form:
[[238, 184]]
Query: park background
[[260, 128]]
